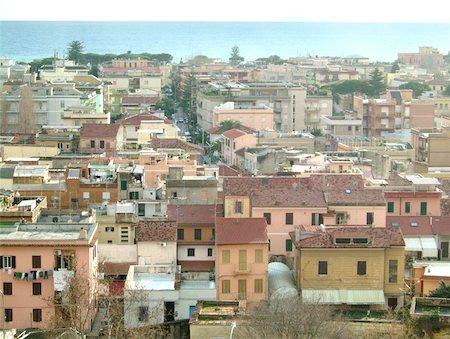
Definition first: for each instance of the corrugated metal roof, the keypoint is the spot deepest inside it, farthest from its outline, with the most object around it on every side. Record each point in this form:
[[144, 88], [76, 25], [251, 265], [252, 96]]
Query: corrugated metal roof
[[344, 296]]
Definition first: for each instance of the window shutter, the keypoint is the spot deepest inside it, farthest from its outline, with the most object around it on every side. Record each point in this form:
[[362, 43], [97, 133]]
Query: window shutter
[[13, 261], [1, 261]]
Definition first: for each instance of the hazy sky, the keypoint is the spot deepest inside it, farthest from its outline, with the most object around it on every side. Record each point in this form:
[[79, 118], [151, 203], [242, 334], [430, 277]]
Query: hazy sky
[[229, 10]]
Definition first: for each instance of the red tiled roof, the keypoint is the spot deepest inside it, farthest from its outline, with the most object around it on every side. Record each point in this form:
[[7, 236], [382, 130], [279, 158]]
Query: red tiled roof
[[231, 231], [288, 197], [157, 231], [135, 120], [445, 206], [227, 171], [410, 225], [378, 237], [139, 100], [441, 225], [233, 133], [192, 214], [173, 143], [196, 266], [359, 197], [99, 130]]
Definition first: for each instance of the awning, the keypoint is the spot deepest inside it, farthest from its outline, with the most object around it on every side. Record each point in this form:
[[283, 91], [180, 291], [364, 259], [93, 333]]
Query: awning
[[426, 245], [344, 296]]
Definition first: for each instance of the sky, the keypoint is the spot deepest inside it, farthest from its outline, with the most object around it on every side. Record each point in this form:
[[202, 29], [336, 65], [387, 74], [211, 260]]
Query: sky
[[229, 10]]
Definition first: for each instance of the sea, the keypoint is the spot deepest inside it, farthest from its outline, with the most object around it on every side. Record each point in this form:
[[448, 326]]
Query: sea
[[29, 40]]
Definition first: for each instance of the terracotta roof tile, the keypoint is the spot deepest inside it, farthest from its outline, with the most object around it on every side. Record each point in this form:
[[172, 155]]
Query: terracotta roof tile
[[157, 231], [99, 130], [139, 100], [192, 214], [241, 231], [227, 171], [410, 225], [378, 237], [135, 120], [233, 133], [196, 266]]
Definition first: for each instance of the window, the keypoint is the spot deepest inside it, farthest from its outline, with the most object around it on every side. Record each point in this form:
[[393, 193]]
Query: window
[[268, 217], [198, 234], [37, 314], [238, 207], [423, 208], [342, 240], [390, 207], [225, 256], [92, 143], [8, 261], [123, 185], [210, 252], [369, 218], [225, 286], [407, 207], [109, 229], [7, 288], [36, 261], [102, 143], [191, 252], [316, 218], [8, 315], [258, 256], [289, 218], [323, 267], [258, 286], [242, 260], [124, 234], [361, 268], [134, 195], [106, 195], [141, 210], [393, 264], [288, 245], [37, 289], [143, 313], [86, 195], [242, 289], [180, 234], [444, 249], [341, 218]]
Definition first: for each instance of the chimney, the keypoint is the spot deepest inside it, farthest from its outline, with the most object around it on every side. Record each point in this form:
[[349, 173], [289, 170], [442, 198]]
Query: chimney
[[83, 234], [297, 233]]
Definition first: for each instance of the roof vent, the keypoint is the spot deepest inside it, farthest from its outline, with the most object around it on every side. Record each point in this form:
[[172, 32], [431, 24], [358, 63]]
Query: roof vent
[[414, 224], [348, 191]]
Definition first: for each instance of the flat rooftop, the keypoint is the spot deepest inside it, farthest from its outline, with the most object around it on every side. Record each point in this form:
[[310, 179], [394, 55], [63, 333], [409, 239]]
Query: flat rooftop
[[45, 231]]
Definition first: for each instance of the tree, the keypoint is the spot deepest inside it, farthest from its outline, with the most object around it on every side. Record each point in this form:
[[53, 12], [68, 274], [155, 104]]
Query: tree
[[75, 51], [198, 60], [395, 66], [443, 291], [228, 124], [417, 87], [377, 82], [293, 318], [273, 59], [167, 105], [235, 57]]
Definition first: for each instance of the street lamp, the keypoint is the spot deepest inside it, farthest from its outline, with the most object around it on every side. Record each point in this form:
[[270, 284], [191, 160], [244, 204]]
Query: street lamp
[[233, 326]]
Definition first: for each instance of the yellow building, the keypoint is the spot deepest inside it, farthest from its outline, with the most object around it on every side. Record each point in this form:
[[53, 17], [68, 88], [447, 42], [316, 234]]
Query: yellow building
[[351, 266], [242, 259]]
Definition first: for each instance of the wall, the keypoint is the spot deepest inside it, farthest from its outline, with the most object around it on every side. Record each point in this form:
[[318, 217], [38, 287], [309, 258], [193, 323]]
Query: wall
[[201, 252], [155, 254]]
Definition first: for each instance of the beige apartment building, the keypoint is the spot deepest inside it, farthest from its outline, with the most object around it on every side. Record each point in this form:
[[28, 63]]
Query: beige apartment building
[[259, 117], [432, 148]]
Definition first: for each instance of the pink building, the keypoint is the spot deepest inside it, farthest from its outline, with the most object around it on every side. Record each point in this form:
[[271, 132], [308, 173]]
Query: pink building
[[258, 117], [36, 262], [234, 140], [288, 202], [242, 259]]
